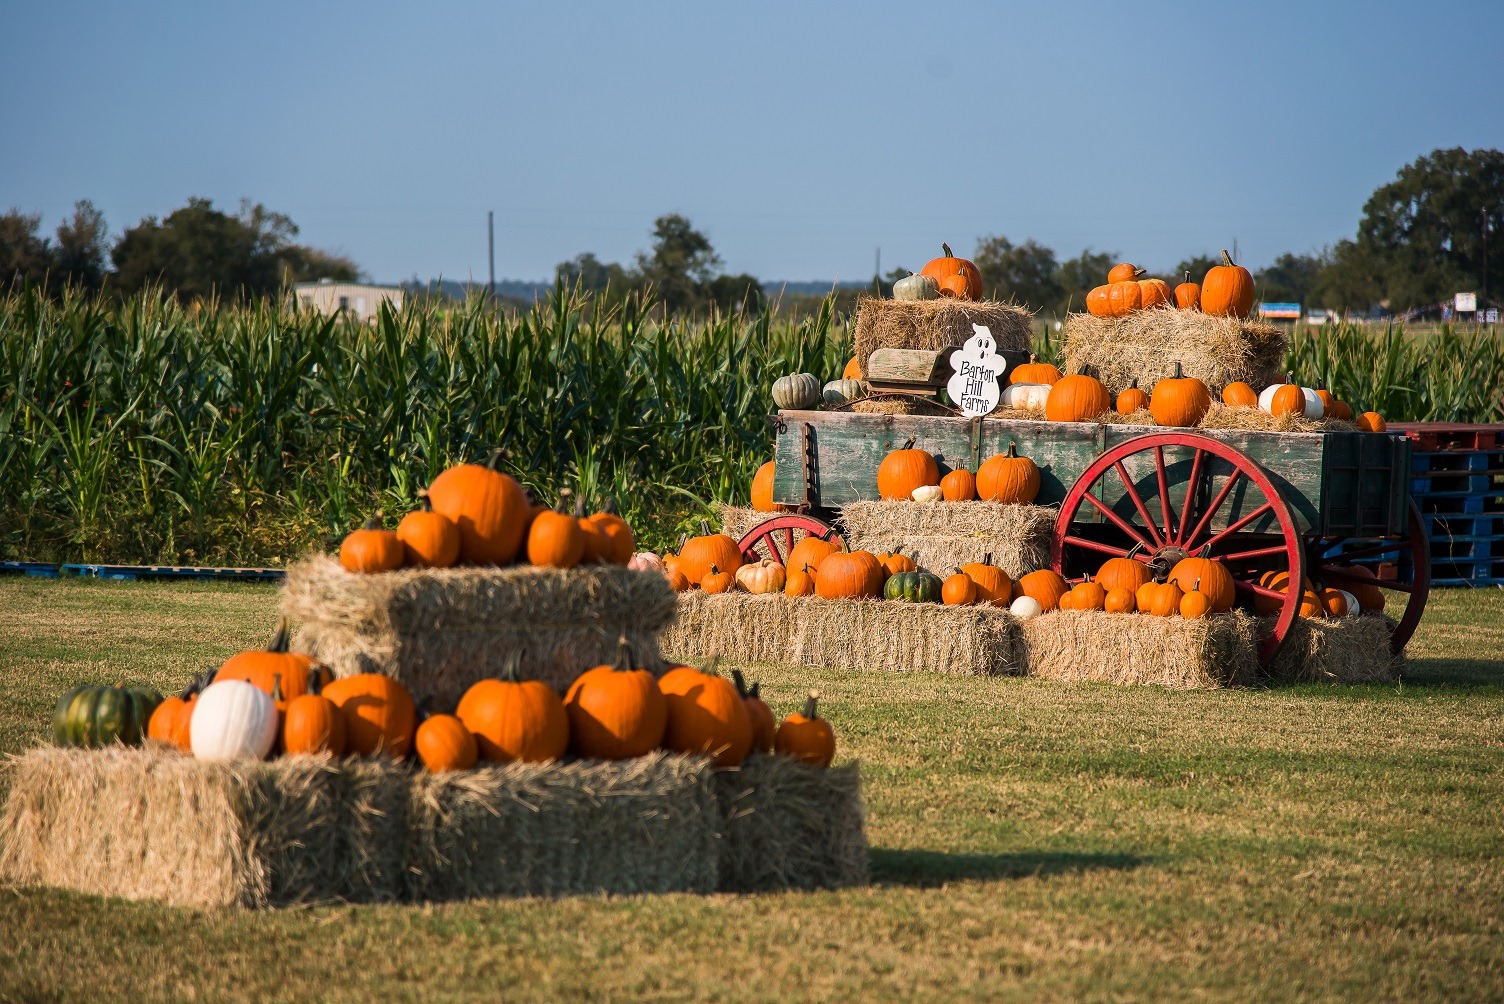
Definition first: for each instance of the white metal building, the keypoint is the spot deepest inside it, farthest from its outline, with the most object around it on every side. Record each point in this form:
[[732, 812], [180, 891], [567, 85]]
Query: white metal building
[[359, 299]]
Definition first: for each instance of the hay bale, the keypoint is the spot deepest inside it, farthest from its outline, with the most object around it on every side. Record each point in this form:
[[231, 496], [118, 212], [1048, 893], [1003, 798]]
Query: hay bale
[[788, 825], [440, 630], [1254, 420], [937, 324], [942, 535], [1348, 650], [899, 404], [1095, 646], [846, 634], [1147, 345], [155, 824], [634, 826], [738, 521]]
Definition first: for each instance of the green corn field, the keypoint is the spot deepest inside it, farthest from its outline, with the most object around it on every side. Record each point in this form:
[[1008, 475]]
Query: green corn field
[[144, 430]]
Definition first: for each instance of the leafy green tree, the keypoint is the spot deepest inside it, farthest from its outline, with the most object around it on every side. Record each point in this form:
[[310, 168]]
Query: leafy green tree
[[82, 246], [1025, 273], [680, 263], [729, 292], [24, 254], [1290, 279], [306, 264], [1422, 235], [593, 275], [1347, 281]]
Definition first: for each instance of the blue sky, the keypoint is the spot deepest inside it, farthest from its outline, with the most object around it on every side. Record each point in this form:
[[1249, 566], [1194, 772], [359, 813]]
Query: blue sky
[[799, 136]]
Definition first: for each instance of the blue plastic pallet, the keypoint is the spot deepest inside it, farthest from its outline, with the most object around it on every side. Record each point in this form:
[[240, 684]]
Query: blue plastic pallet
[[1441, 524], [130, 573], [39, 569], [1454, 483], [1456, 461], [1460, 503]]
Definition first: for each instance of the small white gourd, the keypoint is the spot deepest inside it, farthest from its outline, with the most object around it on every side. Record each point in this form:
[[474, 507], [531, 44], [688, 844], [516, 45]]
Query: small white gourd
[[1354, 608], [926, 493], [1314, 409], [645, 561], [916, 287], [233, 720], [1025, 395], [1025, 607]]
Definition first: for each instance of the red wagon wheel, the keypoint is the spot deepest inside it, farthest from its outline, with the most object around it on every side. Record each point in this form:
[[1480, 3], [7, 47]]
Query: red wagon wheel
[[1331, 559], [1141, 511], [777, 536]]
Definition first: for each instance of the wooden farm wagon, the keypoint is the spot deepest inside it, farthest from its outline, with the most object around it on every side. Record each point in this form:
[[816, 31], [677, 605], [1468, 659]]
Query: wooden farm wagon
[[1310, 504]]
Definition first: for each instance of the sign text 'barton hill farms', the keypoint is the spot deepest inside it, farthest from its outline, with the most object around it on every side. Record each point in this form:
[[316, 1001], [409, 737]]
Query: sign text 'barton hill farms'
[[974, 386]]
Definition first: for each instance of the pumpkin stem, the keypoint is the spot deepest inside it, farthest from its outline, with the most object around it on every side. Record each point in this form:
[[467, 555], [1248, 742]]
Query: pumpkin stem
[[710, 669], [610, 506], [809, 704], [277, 694], [1226, 258], [1204, 551], [278, 644], [314, 683], [741, 684], [623, 655], [1138, 272], [512, 667], [909, 443], [1178, 374], [1133, 384], [1187, 275], [1013, 449], [579, 507], [987, 558], [424, 502], [493, 461], [1137, 547], [705, 528], [946, 248], [374, 523]]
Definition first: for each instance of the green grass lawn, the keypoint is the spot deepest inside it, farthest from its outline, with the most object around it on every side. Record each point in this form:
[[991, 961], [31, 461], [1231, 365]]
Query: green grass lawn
[[1029, 840]]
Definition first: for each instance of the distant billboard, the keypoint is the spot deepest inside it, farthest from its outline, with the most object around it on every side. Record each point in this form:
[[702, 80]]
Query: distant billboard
[[1280, 311], [1465, 303]]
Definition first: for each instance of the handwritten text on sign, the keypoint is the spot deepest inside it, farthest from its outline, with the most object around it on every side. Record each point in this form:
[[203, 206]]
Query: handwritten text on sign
[[974, 386]]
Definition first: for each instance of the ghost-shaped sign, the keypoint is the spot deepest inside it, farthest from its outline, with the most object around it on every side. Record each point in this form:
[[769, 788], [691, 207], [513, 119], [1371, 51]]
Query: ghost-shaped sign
[[974, 386]]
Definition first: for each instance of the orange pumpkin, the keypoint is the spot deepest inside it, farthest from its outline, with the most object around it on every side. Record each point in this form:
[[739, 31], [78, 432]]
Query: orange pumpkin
[[959, 486], [810, 552], [1342, 410], [1208, 576], [1179, 400], [1195, 604], [262, 669], [596, 546], [371, 548], [677, 580], [700, 553], [616, 712], [706, 715], [1310, 604], [1188, 294], [1153, 293], [429, 539], [1008, 478], [1333, 603], [1118, 601], [556, 539], [1289, 399], [1116, 299], [1132, 399], [1077, 398], [1144, 594], [1279, 582], [443, 743], [853, 370], [717, 581], [1371, 421], [1239, 395], [1227, 290], [1328, 401], [378, 711], [1034, 371], [313, 724], [905, 469], [807, 736], [1164, 600], [943, 268], [1368, 594], [1124, 272], [1046, 587], [799, 582], [1124, 573], [515, 719], [1088, 595], [488, 507], [170, 722], [762, 489], [993, 584], [958, 590], [896, 562], [1065, 602], [621, 543], [848, 575], [764, 725]]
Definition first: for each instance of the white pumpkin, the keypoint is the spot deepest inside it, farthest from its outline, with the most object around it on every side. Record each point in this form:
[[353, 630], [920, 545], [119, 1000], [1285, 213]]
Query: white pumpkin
[[916, 287], [233, 720], [926, 493], [1354, 608], [1025, 395], [1314, 408], [761, 576], [1025, 607], [645, 561]]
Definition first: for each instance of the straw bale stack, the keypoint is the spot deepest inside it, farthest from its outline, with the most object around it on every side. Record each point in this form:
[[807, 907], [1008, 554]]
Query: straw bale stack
[[1348, 650], [1146, 345], [440, 630], [846, 634], [943, 535], [1098, 647], [786, 825], [937, 324]]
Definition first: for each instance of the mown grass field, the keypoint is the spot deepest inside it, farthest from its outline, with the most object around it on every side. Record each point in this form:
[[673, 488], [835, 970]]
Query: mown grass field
[[1029, 840]]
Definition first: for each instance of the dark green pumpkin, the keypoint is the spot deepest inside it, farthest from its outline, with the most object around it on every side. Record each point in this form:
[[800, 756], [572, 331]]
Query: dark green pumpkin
[[913, 587], [100, 715]]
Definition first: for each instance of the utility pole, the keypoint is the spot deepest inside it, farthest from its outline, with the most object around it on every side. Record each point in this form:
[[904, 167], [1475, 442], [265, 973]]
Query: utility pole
[[491, 251], [1485, 259], [877, 268]]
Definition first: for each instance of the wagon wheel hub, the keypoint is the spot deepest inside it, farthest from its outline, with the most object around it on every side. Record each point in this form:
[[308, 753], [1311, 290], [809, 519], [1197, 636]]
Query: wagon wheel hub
[[1168, 557]]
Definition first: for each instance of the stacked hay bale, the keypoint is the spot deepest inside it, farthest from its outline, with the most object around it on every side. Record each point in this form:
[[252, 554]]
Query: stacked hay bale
[[944, 535], [1147, 344]]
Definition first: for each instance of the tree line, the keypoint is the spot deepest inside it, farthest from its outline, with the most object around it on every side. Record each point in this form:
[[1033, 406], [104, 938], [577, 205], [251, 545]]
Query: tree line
[[196, 250]]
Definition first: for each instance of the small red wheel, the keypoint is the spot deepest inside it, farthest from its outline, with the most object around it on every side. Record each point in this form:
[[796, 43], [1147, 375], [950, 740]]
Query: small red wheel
[[775, 537], [1175, 534], [1330, 560]]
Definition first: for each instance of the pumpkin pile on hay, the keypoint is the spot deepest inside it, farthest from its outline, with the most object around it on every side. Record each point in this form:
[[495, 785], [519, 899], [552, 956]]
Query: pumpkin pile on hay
[[786, 825], [1147, 344], [646, 825], [937, 324], [846, 634], [941, 536], [154, 824], [439, 630]]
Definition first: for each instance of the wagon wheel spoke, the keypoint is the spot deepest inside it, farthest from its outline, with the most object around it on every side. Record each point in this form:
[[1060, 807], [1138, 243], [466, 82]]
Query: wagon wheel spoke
[[1165, 509], [1117, 520], [1138, 503], [1235, 527], [1258, 590], [1190, 495], [1339, 576], [1092, 545], [1262, 552], [1205, 521]]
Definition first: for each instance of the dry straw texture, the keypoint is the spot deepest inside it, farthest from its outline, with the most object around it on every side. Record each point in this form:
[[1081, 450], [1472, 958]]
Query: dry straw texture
[[441, 630], [846, 634], [1255, 420], [900, 404], [1147, 345], [942, 535], [937, 324], [1099, 647], [738, 521], [155, 824], [1350, 650], [788, 825], [637, 826]]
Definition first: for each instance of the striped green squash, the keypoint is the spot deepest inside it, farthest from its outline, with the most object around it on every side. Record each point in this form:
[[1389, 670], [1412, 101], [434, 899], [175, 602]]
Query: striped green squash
[[95, 716]]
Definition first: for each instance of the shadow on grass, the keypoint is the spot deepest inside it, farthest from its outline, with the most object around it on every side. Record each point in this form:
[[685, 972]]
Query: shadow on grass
[[1454, 673], [926, 869]]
